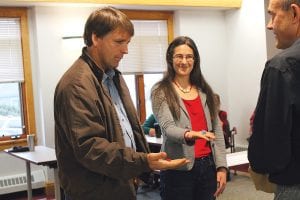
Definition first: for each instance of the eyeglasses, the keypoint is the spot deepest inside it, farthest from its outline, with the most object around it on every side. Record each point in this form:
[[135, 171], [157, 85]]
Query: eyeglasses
[[180, 57]]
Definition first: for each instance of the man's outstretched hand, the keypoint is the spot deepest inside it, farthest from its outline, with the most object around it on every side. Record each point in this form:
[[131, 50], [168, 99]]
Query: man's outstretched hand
[[157, 161]]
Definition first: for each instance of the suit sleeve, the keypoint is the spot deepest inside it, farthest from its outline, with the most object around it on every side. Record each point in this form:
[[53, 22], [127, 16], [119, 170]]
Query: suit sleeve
[[270, 144], [80, 119]]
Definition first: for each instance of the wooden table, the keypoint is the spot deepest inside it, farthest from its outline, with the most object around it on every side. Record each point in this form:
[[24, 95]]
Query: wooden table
[[40, 156]]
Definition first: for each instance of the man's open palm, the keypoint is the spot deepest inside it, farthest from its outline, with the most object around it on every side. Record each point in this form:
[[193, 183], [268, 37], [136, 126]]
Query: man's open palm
[[157, 161]]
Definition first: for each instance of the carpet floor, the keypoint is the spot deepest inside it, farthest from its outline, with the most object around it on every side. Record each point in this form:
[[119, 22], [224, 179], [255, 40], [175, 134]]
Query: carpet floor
[[240, 187]]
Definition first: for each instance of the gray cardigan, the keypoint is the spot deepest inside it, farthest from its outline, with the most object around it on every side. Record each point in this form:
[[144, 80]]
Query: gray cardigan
[[173, 131]]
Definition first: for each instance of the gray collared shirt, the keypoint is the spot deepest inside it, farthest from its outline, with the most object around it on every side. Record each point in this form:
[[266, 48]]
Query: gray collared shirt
[[124, 122]]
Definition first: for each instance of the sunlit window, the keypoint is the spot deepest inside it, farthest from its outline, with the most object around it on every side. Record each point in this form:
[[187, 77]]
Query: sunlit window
[[16, 96], [10, 110], [130, 81], [150, 80], [145, 63]]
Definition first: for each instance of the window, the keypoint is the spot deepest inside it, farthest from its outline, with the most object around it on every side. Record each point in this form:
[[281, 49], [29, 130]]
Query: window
[[10, 110], [142, 72], [150, 80], [16, 97], [130, 81], [147, 48]]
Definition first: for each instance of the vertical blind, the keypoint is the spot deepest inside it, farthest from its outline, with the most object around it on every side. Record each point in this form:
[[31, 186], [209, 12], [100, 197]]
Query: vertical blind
[[11, 63], [147, 48]]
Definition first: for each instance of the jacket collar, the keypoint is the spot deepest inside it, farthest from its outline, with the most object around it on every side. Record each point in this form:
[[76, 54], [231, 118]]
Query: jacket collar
[[98, 71]]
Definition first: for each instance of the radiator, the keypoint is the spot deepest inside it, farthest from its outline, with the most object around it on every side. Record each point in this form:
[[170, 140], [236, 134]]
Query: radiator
[[18, 182]]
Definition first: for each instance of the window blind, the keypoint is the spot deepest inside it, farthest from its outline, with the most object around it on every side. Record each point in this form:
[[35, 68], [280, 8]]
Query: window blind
[[11, 63], [147, 49]]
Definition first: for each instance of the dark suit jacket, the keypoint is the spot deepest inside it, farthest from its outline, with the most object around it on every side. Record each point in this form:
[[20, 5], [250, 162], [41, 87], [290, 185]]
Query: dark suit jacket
[[274, 146]]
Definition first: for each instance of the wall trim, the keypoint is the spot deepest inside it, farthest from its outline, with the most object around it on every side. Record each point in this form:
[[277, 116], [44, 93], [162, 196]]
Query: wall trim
[[186, 3]]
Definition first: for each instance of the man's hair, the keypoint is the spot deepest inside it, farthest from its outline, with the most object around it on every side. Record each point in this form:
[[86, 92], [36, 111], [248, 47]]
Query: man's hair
[[287, 3], [104, 20]]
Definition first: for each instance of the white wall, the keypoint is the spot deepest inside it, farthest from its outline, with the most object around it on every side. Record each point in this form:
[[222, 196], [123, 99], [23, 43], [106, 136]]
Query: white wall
[[52, 59], [48, 56], [208, 30], [232, 47], [246, 57]]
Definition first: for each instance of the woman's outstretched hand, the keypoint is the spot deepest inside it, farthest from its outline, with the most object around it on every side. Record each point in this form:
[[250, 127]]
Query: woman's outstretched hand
[[192, 135]]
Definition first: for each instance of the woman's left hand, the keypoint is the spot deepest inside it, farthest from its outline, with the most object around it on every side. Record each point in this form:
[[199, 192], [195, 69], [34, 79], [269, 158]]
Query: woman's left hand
[[209, 136], [193, 135], [221, 180]]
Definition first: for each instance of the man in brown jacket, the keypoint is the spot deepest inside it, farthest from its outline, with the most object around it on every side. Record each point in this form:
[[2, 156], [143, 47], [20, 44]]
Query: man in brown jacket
[[100, 145]]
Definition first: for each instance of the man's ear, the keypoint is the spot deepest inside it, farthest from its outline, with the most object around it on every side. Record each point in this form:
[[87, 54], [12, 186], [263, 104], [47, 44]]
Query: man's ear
[[296, 13], [95, 39]]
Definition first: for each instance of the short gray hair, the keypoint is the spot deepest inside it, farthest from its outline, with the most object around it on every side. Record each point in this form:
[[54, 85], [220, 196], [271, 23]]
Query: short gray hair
[[287, 3]]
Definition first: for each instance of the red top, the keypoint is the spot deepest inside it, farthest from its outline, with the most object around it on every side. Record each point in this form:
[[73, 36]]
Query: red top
[[198, 121]]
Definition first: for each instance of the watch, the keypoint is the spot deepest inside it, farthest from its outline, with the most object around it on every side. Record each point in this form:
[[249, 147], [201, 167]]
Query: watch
[[203, 132]]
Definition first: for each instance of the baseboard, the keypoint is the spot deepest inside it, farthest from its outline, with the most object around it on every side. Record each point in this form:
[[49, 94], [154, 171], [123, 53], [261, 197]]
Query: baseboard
[[18, 182], [46, 192], [49, 189], [241, 148], [40, 192], [242, 145]]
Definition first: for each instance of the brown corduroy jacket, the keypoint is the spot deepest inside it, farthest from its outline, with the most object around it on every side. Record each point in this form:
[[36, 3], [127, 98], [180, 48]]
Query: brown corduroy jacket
[[92, 158]]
